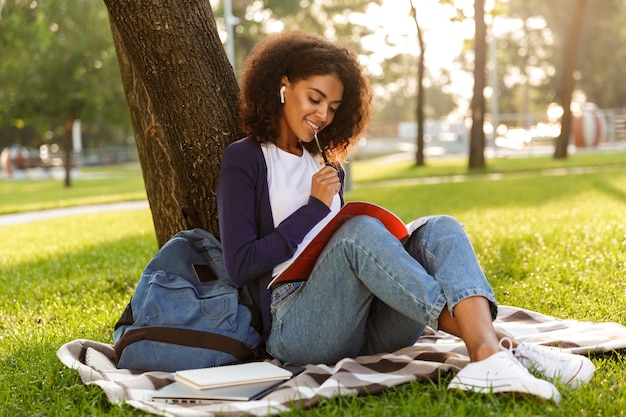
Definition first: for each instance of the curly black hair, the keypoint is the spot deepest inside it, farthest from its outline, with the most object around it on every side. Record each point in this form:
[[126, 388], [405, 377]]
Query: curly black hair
[[299, 55]]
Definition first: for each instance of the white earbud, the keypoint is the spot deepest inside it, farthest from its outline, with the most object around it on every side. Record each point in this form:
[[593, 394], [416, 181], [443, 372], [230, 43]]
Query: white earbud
[[282, 94]]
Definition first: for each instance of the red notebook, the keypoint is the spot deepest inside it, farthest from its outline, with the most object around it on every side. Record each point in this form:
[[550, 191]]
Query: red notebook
[[302, 265]]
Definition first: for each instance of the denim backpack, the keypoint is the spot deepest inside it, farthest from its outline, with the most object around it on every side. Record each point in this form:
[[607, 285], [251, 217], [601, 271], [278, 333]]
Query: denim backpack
[[185, 312]]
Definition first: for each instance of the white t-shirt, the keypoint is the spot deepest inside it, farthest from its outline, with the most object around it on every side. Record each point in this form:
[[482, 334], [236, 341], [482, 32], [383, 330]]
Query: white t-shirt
[[289, 180]]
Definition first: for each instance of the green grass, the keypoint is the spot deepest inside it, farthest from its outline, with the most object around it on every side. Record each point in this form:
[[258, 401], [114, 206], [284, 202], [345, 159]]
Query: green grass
[[553, 244], [96, 186]]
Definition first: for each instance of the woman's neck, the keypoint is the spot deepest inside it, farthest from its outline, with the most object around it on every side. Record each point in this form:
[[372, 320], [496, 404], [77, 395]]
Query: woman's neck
[[290, 147]]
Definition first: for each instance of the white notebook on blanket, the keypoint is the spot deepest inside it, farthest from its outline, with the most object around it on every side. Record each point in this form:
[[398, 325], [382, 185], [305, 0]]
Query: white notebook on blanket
[[180, 393], [230, 375]]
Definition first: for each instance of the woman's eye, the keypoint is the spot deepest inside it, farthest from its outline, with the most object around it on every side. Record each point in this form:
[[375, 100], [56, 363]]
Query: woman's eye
[[316, 101]]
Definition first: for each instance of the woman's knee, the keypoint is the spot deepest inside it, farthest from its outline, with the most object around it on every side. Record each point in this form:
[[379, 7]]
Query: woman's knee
[[365, 225], [444, 224], [445, 221], [363, 221]]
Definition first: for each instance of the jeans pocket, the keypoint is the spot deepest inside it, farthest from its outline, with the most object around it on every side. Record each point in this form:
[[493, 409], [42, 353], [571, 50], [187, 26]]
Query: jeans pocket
[[284, 293]]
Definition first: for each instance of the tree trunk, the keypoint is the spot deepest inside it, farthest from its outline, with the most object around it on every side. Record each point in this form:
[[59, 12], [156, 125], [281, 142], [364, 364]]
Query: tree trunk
[[69, 147], [477, 133], [420, 161], [562, 142], [419, 153], [182, 96]]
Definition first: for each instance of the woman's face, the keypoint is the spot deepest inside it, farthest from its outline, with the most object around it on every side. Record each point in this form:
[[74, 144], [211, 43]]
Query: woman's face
[[310, 106]]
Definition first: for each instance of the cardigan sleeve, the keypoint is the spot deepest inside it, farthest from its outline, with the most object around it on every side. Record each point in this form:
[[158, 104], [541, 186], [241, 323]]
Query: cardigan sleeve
[[249, 252]]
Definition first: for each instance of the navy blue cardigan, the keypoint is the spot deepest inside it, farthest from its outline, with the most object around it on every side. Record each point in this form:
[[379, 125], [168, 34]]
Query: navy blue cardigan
[[252, 245]]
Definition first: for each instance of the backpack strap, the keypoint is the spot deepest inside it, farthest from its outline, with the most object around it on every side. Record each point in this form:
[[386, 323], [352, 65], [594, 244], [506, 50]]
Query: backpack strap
[[186, 337]]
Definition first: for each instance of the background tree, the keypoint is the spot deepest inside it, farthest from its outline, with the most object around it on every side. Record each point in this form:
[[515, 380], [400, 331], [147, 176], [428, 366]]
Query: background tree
[[600, 44], [524, 51], [419, 114], [58, 56], [601, 48], [531, 60], [182, 95], [477, 133], [569, 66]]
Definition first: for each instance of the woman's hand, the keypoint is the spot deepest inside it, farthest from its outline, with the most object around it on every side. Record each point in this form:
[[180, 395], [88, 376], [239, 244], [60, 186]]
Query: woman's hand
[[325, 184]]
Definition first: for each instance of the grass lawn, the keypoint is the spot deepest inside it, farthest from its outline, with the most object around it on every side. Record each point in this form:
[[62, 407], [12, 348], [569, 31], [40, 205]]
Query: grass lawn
[[553, 244], [95, 186]]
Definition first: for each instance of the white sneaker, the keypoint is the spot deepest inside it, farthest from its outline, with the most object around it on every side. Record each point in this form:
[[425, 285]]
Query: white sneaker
[[501, 372], [555, 365]]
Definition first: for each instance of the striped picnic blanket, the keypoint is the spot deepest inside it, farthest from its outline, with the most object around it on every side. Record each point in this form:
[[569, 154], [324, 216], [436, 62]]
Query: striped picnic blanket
[[434, 354]]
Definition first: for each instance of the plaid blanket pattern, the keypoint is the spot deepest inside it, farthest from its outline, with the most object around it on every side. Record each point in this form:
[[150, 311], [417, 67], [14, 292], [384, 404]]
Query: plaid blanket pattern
[[434, 354]]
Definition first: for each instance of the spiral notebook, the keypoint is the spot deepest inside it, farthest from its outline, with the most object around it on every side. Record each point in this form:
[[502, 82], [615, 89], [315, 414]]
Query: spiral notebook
[[230, 375], [181, 393]]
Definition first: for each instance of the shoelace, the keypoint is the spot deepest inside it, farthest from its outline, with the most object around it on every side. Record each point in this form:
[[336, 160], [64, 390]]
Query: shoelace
[[541, 357], [507, 341], [510, 343], [537, 360], [511, 351]]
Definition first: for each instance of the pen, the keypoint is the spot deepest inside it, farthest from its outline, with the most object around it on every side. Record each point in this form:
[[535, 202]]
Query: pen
[[321, 150]]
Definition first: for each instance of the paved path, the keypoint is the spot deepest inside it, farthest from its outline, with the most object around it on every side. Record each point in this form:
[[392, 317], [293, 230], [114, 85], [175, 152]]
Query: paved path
[[494, 176], [17, 218]]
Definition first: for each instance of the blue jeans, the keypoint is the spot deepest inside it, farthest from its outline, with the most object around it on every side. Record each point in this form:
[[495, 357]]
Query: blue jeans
[[369, 293]]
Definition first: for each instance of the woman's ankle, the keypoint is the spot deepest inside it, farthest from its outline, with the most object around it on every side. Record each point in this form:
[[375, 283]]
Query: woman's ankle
[[483, 351]]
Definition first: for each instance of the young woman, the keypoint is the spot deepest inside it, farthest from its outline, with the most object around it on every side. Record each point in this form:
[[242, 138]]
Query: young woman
[[368, 292]]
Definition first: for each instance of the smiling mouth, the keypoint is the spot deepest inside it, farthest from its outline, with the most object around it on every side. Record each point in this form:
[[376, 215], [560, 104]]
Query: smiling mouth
[[315, 127]]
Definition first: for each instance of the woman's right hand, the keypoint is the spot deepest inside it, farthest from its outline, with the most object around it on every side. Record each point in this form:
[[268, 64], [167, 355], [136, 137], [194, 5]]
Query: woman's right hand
[[325, 184]]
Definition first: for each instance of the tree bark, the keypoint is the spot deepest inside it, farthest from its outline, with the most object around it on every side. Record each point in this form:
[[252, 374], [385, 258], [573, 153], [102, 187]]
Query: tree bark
[[477, 133], [182, 96], [562, 142]]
